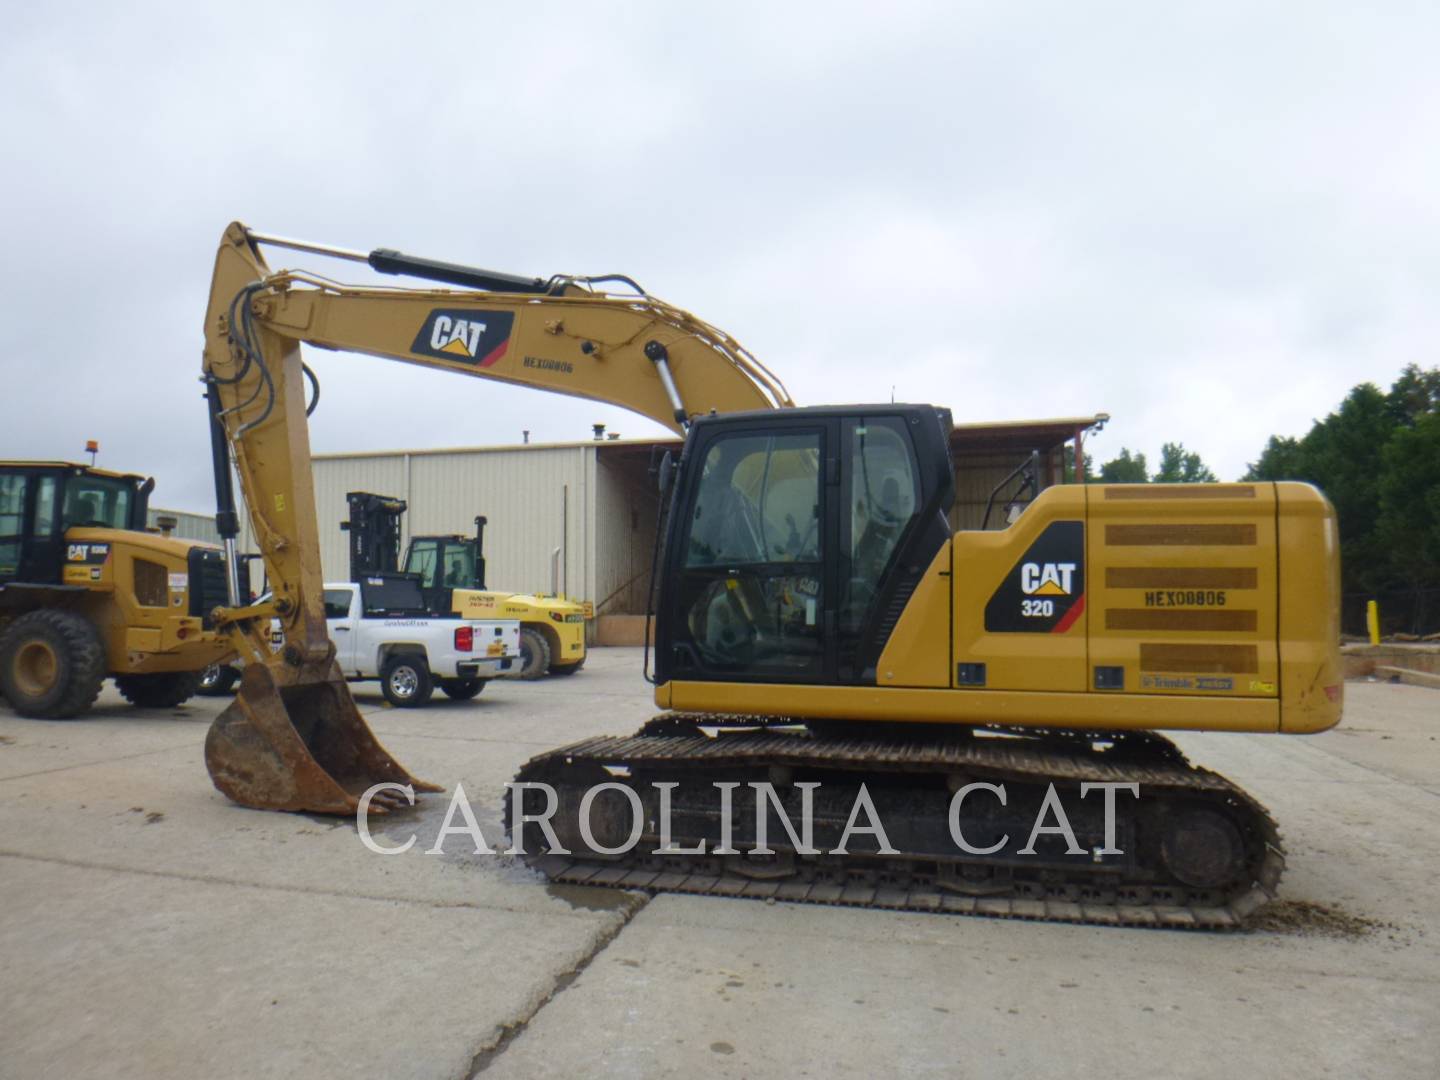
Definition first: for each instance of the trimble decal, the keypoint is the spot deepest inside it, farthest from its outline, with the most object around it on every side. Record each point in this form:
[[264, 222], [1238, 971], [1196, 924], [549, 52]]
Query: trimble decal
[[471, 337], [1044, 593]]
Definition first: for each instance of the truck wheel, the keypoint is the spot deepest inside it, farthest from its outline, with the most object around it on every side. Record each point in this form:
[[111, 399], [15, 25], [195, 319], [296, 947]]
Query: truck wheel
[[51, 664], [217, 680], [162, 691], [462, 689], [405, 681], [566, 669], [534, 654]]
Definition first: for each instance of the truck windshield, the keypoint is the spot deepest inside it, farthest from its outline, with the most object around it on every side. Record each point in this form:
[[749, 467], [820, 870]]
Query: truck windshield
[[97, 501]]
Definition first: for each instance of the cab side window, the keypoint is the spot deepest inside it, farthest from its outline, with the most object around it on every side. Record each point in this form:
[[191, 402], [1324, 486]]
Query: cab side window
[[44, 507], [459, 566], [883, 493], [12, 522]]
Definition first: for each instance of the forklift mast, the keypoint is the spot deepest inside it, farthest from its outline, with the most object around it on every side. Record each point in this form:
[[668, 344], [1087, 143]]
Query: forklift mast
[[374, 528]]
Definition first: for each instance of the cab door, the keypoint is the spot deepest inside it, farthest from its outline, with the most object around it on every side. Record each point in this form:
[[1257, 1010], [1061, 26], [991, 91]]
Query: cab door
[[344, 630], [751, 597], [14, 500], [31, 541]]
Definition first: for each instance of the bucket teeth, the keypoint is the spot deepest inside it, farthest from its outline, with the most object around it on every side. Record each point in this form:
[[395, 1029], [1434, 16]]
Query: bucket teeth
[[303, 748]]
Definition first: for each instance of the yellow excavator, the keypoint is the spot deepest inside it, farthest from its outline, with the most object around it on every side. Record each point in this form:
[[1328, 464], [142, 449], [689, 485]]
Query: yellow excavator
[[824, 640]]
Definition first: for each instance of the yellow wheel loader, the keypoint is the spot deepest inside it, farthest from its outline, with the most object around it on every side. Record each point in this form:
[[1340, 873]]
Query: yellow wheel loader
[[829, 650], [451, 569], [86, 593]]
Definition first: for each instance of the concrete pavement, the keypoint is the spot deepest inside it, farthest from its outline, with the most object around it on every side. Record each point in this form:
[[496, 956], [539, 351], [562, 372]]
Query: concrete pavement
[[149, 928]]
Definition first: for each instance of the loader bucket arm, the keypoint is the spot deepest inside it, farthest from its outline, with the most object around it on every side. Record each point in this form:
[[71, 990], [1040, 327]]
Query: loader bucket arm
[[294, 739]]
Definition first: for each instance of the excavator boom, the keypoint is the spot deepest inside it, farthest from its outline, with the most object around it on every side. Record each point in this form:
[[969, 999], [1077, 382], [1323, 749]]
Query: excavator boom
[[293, 739]]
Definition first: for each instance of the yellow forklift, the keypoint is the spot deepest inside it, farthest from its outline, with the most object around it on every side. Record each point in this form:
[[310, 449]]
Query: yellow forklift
[[451, 569]]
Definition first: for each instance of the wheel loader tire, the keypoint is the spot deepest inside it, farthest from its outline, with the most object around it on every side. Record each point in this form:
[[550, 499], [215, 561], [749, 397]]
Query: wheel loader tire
[[462, 689], [51, 664], [162, 691], [217, 680], [566, 669], [405, 681], [534, 654]]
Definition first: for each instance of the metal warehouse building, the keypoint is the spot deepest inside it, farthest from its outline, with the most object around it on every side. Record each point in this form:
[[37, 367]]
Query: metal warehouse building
[[581, 516]]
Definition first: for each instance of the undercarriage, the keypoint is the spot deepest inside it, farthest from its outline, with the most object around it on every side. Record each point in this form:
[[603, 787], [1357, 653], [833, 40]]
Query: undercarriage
[[1113, 829]]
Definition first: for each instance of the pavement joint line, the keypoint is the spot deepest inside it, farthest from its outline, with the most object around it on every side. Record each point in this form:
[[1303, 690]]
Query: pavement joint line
[[203, 879], [487, 1055], [100, 761]]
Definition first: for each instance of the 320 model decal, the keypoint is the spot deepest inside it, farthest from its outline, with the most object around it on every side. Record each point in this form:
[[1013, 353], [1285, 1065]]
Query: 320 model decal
[[1044, 593]]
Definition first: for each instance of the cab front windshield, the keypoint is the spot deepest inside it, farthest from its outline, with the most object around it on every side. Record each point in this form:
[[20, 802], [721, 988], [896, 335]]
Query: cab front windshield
[[97, 501]]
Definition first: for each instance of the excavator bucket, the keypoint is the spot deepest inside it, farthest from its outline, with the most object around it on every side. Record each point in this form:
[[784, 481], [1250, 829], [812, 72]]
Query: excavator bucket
[[302, 747]]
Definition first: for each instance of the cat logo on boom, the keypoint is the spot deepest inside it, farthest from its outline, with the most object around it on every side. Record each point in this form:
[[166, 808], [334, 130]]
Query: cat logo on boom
[[458, 336], [470, 337], [1046, 579]]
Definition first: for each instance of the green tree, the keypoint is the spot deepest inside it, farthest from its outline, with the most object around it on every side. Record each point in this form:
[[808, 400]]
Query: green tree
[[1377, 458], [1416, 393], [1280, 460], [1343, 456], [1409, 525], [1125, 469], [1181, 466]]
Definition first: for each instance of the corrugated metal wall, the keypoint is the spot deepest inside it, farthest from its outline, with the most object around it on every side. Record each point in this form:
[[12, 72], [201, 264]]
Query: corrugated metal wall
[[523, 491]]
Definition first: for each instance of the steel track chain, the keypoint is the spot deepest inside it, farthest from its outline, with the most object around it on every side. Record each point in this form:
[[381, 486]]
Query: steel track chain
[[675, 740]]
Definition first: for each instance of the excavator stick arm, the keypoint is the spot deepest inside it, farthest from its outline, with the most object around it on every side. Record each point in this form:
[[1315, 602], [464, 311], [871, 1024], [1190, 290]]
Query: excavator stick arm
[[294, 739]]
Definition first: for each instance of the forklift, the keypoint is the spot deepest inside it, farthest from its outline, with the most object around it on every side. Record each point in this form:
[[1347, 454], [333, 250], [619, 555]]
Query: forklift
[[451, 569]]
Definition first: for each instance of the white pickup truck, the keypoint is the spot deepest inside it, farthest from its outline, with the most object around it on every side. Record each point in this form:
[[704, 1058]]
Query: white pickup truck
[[381, 631]]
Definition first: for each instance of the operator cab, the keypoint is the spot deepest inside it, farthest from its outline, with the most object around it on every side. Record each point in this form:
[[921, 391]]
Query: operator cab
[[41, 500], [796, 537], [446, 563]]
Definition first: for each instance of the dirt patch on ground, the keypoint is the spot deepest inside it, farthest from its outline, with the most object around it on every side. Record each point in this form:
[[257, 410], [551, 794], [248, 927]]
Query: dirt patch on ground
[[1307, 917]]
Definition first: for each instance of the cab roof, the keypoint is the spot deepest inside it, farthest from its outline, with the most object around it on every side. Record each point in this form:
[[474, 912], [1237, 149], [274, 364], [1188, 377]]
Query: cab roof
[[74, 467]]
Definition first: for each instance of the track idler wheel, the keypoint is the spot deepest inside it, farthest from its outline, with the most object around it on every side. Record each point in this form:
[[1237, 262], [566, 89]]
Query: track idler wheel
[[1203, 848], [301, 747]]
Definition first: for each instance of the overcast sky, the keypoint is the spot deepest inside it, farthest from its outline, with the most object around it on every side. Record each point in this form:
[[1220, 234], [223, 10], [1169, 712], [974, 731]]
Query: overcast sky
[[1206, 220]]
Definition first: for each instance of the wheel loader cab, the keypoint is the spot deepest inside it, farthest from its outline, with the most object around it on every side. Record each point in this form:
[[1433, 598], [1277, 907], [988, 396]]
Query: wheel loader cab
[[796, 538], [41, 501]]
